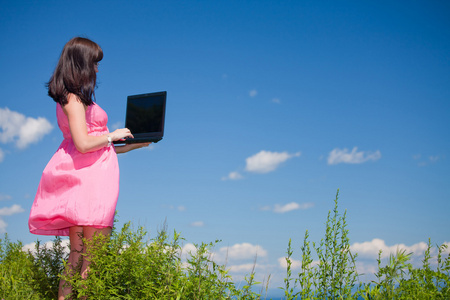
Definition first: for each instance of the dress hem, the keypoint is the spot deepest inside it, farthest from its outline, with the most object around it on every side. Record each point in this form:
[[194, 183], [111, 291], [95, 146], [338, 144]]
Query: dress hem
[[64, 231]]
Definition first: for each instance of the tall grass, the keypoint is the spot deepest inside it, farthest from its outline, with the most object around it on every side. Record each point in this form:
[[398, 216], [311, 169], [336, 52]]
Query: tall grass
[[129, 265], [334, 275]]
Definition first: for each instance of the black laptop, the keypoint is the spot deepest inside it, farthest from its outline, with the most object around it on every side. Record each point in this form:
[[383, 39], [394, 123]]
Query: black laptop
[[145, 117]]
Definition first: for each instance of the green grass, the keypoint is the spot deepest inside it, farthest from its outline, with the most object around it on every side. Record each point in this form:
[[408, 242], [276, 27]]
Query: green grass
[[129, 265]]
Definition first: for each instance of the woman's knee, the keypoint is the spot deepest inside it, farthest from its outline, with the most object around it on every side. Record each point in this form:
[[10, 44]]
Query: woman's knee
[[90, 232]]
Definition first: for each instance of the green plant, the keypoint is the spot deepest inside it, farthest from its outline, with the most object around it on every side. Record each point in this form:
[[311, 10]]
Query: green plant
[[246, 292], [129, 265], [289, 282], [336, 271], [204, 278], [400, 280], [47, 267], [306, 275], [16, 280], [125, 266], [334, 276]]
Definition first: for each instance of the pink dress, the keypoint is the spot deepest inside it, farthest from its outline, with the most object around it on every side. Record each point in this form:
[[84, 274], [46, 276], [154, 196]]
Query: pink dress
[[77, 189]]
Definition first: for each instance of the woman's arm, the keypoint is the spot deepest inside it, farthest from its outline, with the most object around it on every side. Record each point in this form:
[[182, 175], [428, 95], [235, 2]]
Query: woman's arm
[[129, 147], [76, 113]]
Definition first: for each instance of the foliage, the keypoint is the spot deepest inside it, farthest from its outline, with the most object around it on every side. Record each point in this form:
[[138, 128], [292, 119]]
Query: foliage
[[15, 275], [399, 280], [27, 275], [129, 265], [48, 264], [334, 275]]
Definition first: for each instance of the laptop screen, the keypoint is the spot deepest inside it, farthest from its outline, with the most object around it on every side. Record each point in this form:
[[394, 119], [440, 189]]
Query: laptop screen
[[145, 114]]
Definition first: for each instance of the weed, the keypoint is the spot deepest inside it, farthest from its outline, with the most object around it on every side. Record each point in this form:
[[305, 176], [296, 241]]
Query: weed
[[129, 265]]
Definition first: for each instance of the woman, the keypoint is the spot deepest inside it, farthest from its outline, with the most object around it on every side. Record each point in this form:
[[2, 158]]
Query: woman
[[78, 191]]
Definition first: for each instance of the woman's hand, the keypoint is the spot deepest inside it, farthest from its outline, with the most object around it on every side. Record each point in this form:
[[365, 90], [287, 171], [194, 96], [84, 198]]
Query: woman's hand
[[120, 134], [128, 147]]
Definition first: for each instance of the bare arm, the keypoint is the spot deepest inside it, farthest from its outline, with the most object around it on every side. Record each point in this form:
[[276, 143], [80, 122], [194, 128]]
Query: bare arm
[[129, 147], [76, 113]]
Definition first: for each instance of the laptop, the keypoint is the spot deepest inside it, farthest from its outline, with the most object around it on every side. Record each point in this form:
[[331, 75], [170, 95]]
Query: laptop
[[145, 118]]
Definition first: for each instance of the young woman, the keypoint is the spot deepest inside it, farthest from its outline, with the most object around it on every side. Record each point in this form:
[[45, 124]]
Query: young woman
[[79, 187]]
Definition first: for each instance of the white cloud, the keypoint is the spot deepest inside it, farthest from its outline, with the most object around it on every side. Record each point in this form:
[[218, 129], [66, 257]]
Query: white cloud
[[262, 162], [291, 206], [366, 261], [253, 93], [240, 273], [338, 156], [278, 208], [295, 264], [246, 268], [241, 252], [276, 100], [197, 224], [179, 207], [233, 176], [116, 125], [15, 127], [368, 254], [186, 251], [4, 197], [32, 246], [426, 161], [434, 158], [150, 147], [266, 161], [2, 155], [239, 259], [189, 248], [8, 211], [3, 226], [371, 248], [267, 207]]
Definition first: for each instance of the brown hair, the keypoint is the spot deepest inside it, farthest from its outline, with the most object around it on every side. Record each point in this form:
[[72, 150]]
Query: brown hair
[[75, 71]]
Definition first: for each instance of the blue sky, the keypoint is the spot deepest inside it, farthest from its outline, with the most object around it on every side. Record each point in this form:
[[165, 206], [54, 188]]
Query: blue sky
[[272, 106]]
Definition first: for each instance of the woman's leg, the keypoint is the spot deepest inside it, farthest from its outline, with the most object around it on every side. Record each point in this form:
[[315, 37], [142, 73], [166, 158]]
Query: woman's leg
[[89, 233], [76, 234], [76, 248]]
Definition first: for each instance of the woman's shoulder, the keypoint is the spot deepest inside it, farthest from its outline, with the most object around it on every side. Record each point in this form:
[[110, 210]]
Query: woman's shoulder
[[73, 104], [74, 100]]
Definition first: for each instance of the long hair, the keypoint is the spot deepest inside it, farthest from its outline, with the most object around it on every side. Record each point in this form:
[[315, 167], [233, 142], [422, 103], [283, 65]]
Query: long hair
[[75, 72]]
